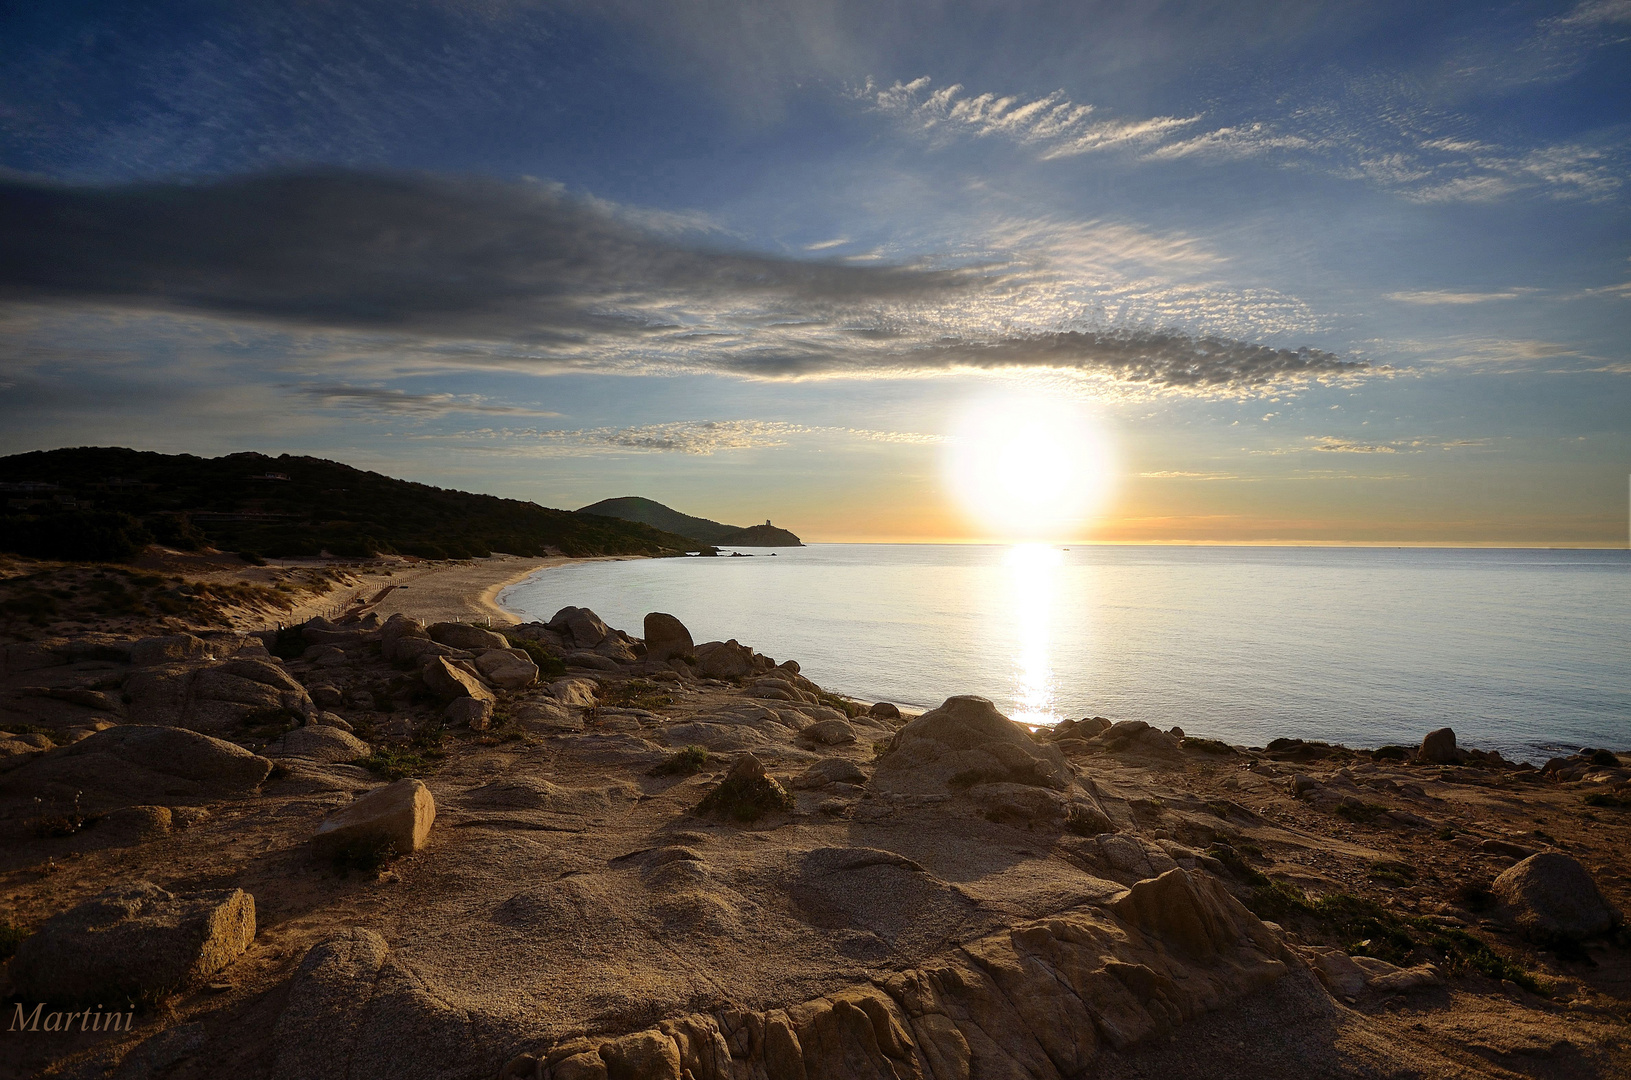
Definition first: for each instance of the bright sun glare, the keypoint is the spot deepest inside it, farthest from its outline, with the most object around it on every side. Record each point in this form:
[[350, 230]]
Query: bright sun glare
[[1027, 467]]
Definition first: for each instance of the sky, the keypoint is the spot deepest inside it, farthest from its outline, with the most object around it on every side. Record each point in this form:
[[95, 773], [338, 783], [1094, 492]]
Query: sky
[[1248, 272]]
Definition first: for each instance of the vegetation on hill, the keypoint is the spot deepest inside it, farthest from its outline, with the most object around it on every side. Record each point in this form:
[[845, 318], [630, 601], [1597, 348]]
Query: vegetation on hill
[[650, 512], [109, 503]]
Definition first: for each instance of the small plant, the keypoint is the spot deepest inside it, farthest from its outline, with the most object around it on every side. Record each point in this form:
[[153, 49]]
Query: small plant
[[11, 936], [366, 856], [289, 643], [1396, 873], [1390, 753], [686, 762], [550, 666], [1234, 860], [1207, 746], [1446, 833], [636, 694], [746, 798], [1605, 757], [61, 823], [1606, 798], [833, 701]]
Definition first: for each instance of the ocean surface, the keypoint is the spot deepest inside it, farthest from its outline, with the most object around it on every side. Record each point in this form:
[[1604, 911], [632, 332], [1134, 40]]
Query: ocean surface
[[1524, 651]]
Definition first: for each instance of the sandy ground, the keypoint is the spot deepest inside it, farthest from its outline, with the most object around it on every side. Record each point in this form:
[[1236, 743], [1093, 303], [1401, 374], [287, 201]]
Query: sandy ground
[[438, 592]]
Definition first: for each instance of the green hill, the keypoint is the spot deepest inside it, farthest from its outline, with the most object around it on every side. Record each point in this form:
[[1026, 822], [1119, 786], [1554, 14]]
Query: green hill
[[107, 502], [649, 512]]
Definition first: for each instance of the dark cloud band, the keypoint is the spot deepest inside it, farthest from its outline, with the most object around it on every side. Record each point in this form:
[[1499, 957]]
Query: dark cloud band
[[432, 260]]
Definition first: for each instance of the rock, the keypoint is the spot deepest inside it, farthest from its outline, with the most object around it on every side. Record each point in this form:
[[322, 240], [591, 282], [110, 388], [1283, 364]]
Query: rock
[[1337, 971], [507, 669], [745, 768], [666, 637], [583, 626], [1196, 915], [1439, 748], [323, 655], [161, 1053], [724, 659], [463, 636], [452, 679], [473, 713], [615, 648], [1125, 854], [321, 743], [325, 696], [398, 814], [830, 732], [884, 710], [1301, 784], [966, 741], [399, 636], [1550, 895], [132, 941], [170, 649], [314, 1035], [1018, 804], [135, 764], [829, 771], [575, 692], [1386, 978]]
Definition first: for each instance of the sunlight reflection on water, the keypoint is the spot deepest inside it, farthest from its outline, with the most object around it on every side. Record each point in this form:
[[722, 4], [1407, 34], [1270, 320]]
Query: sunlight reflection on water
[[1033, 570]]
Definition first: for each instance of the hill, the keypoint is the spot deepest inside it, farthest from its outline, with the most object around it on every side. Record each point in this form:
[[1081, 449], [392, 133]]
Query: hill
[[650, 512], [108, 502]]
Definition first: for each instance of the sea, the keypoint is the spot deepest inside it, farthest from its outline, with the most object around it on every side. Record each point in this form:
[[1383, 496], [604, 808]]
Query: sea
[[1523, 651]]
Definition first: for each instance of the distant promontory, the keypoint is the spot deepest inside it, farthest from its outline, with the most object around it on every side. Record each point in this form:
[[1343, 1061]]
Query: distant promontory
[[655, 514]]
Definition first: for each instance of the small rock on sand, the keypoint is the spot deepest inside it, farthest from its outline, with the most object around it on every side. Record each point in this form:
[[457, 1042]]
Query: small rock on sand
[[399, 815]]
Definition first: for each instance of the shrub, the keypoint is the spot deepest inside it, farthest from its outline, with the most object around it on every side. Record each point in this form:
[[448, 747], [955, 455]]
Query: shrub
[[11, 936], [368, 856], [684, 762], [746, 799], [80, 535], [1390, 753], [550, 666]]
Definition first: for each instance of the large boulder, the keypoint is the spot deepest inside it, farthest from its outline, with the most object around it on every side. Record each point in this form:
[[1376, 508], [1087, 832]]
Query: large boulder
[[666, 637], [583, 626], [1196, 915], [398, 637], [216, 698], [137, 765], [320, 743], [964, 742], [452, 679], [1550, 895], [133, 940], [724, 659], [1438, 747], [397, 815], [464, 636], [508, 669]]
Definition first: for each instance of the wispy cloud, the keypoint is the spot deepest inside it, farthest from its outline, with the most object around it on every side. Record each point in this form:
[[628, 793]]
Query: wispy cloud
[[1448, 296], [426, 273], [1056, 126], [1336, 444], [403, 403], [1175, 474], [700, 438]]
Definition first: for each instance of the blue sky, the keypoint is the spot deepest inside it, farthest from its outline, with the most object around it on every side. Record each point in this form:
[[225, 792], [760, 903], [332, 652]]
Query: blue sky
[[1317, 271]]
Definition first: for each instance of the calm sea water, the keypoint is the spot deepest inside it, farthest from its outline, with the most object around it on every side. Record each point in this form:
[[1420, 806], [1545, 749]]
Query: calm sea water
[[1528, 652]]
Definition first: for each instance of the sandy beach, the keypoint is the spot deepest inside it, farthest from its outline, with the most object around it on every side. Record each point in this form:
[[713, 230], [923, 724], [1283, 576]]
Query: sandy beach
[[440, 592]]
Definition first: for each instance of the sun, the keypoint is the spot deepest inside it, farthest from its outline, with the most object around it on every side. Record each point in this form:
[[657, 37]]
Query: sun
[[1027, 467]]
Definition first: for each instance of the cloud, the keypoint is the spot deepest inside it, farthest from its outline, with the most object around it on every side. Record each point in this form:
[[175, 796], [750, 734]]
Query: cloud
[[1055, 125], [403, 403], [397, 274], [1446, 296], [701, 438], [1173, 474], [1336, 444]]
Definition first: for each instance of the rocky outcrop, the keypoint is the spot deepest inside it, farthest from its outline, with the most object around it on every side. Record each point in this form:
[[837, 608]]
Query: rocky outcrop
[[169, 649], [666, 637], [1438, 747], [1043, 1000], [397, 816], [215, 698], [1550, 896], [453, 679], [579, 626], [320, 743], [507, 669], [133, 764], [133, 941], [355, 1011], [464, 636], [966, 741]]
